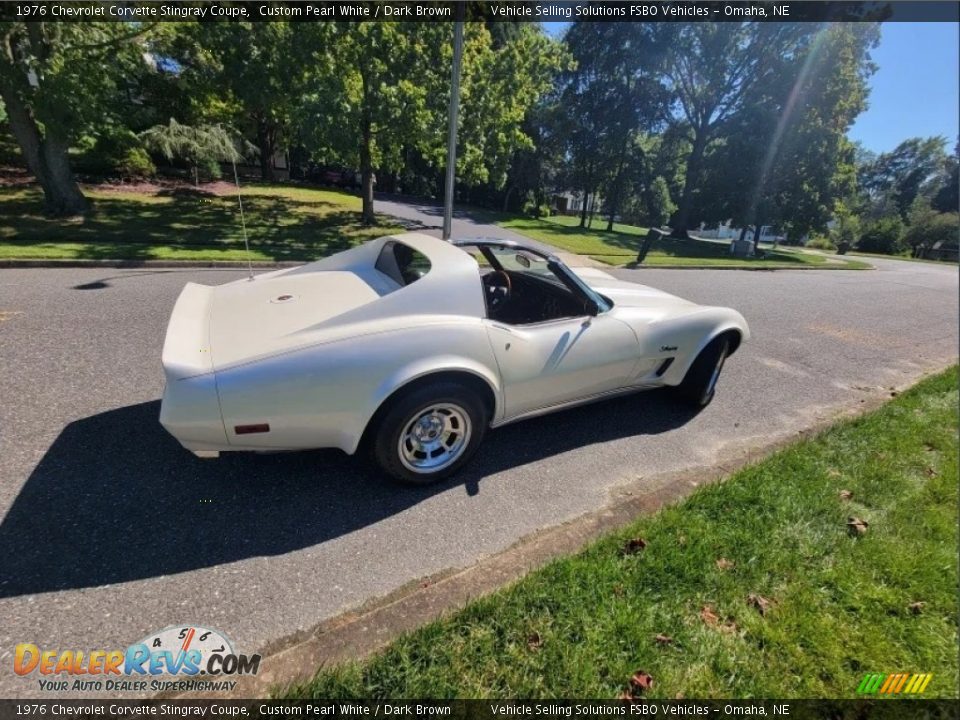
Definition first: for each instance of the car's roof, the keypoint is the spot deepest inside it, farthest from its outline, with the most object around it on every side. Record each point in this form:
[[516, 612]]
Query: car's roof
[[500, 242]]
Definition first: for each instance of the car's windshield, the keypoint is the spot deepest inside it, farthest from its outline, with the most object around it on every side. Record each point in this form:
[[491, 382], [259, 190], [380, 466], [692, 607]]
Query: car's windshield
[[527, 262]]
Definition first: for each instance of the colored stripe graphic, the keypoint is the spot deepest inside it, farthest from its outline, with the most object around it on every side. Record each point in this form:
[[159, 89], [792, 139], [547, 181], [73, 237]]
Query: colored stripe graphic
[[871, 683], [907, 683]]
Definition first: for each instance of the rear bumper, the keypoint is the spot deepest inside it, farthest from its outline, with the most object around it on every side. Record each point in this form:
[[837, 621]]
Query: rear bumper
[[190, 411]]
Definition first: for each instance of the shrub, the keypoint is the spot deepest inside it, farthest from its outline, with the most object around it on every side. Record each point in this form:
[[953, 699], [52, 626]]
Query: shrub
[[660, 206], [934, 228], [884, 236], [821, 242], [118, 152], [534, 209]]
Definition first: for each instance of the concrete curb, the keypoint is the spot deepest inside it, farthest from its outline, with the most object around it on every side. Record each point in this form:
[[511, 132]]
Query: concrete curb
[[634, 266], [128, 264]]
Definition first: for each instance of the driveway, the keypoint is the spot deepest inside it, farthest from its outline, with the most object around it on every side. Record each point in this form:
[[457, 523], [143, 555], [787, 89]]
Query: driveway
[[110, 530]]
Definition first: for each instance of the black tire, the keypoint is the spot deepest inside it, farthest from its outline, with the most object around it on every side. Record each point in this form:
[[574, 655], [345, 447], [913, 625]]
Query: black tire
[[460, 410], [700, 383]]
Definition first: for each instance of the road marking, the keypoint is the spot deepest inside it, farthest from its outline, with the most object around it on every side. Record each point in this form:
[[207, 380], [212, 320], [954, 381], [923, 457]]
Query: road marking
[[7, 314]]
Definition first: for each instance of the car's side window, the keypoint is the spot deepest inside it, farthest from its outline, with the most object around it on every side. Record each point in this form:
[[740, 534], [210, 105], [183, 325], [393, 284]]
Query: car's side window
[[401, 263]]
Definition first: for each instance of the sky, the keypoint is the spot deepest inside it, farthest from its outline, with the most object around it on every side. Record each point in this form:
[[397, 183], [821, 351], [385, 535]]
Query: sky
[[915, 91]]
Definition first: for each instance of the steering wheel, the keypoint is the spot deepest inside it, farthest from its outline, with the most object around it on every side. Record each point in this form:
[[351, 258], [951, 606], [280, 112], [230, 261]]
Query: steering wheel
[[498, 287]]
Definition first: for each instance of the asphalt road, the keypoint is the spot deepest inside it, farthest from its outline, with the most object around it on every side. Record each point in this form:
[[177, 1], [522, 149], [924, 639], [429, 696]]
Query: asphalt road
[[110, 530]]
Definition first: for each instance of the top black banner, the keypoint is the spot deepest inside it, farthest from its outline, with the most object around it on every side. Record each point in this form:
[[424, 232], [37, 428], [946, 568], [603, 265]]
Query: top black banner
[[481, 11]]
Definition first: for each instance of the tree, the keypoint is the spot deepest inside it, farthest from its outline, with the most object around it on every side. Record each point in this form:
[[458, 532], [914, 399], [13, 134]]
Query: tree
[[947, 198], [785, 160], [389, 97], [200, 146], [249, 74], [51, 96], [614, 93], [909, 170], [713, 69]]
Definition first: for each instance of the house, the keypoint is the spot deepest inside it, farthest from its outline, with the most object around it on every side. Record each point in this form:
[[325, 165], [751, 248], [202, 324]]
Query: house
[[724, 231], [570, 202]]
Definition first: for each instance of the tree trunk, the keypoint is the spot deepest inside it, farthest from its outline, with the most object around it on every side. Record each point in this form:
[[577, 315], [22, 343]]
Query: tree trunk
[[617, 185], [506, 198], [46, 157], [366, 171], [690, 181], [267, 142], [366, 154], [583, 209], [758, 228]]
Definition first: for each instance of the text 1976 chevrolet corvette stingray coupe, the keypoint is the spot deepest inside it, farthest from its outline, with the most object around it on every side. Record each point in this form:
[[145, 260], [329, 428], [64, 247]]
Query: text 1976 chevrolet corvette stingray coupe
[[411, 347]]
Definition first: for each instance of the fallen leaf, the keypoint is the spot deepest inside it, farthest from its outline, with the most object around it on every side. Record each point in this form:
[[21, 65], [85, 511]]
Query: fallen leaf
[[709, 616], [856, 526], [917, 607], [724, 564], [641, 681], [893, 393], [534, 641], [713, 620], [727, 626], [845, 494], [632, 547], [833, 472], [761, 603], [625, 695], [928, 447], [678, 696], [618, 590], [663, 639], [931, 472]]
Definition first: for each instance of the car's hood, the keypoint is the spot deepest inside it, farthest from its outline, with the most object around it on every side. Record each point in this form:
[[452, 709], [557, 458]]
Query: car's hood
[[629, 294]]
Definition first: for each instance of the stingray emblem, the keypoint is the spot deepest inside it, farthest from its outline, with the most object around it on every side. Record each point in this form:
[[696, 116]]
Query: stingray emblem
[[668, 348]]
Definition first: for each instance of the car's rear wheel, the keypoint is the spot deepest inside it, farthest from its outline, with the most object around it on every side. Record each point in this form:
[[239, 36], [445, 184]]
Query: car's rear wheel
[[700, 383], [430, 432]]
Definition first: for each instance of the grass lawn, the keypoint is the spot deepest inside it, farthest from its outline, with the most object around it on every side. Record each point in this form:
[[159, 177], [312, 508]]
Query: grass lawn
[[836, 604], [905, 256], [620, 246], [283, 223]]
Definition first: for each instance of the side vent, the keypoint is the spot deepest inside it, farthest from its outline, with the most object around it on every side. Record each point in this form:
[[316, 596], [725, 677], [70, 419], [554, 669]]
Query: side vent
[[663, 367], [251, 429]]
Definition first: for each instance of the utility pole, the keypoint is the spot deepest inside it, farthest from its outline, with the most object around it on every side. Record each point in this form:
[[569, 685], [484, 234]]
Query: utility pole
[[453, 117]]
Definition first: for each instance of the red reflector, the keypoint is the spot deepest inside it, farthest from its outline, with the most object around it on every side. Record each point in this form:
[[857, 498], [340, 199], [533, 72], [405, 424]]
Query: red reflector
[[250, 429]]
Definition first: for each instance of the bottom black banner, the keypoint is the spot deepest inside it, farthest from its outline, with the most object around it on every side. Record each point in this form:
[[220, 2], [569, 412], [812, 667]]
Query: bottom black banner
[[894, 708]]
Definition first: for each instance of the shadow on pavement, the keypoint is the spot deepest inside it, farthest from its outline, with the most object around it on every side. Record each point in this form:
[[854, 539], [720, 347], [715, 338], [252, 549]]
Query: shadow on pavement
[[117, 499]]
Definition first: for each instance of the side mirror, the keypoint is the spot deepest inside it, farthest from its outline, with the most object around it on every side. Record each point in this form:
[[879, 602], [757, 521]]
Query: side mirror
[[591, 307]]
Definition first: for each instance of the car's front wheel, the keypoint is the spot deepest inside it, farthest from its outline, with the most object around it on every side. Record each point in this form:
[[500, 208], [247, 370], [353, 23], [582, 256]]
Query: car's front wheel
[[430, 432], [700, 383]]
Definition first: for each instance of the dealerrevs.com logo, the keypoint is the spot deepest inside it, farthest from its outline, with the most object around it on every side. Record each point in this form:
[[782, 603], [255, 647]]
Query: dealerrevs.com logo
[[197, 658]]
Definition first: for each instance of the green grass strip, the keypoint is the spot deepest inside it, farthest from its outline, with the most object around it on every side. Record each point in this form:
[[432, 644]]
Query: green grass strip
[[839, 602]]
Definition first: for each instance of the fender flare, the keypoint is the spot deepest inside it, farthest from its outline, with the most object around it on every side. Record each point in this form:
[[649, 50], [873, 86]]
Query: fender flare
[[414, 372]]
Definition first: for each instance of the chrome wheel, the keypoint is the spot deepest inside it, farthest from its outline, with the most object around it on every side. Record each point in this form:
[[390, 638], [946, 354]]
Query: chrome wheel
[[434, 438]]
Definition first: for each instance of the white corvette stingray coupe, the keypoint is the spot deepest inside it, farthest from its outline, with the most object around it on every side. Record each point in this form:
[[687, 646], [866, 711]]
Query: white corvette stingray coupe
[[411, 347]]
